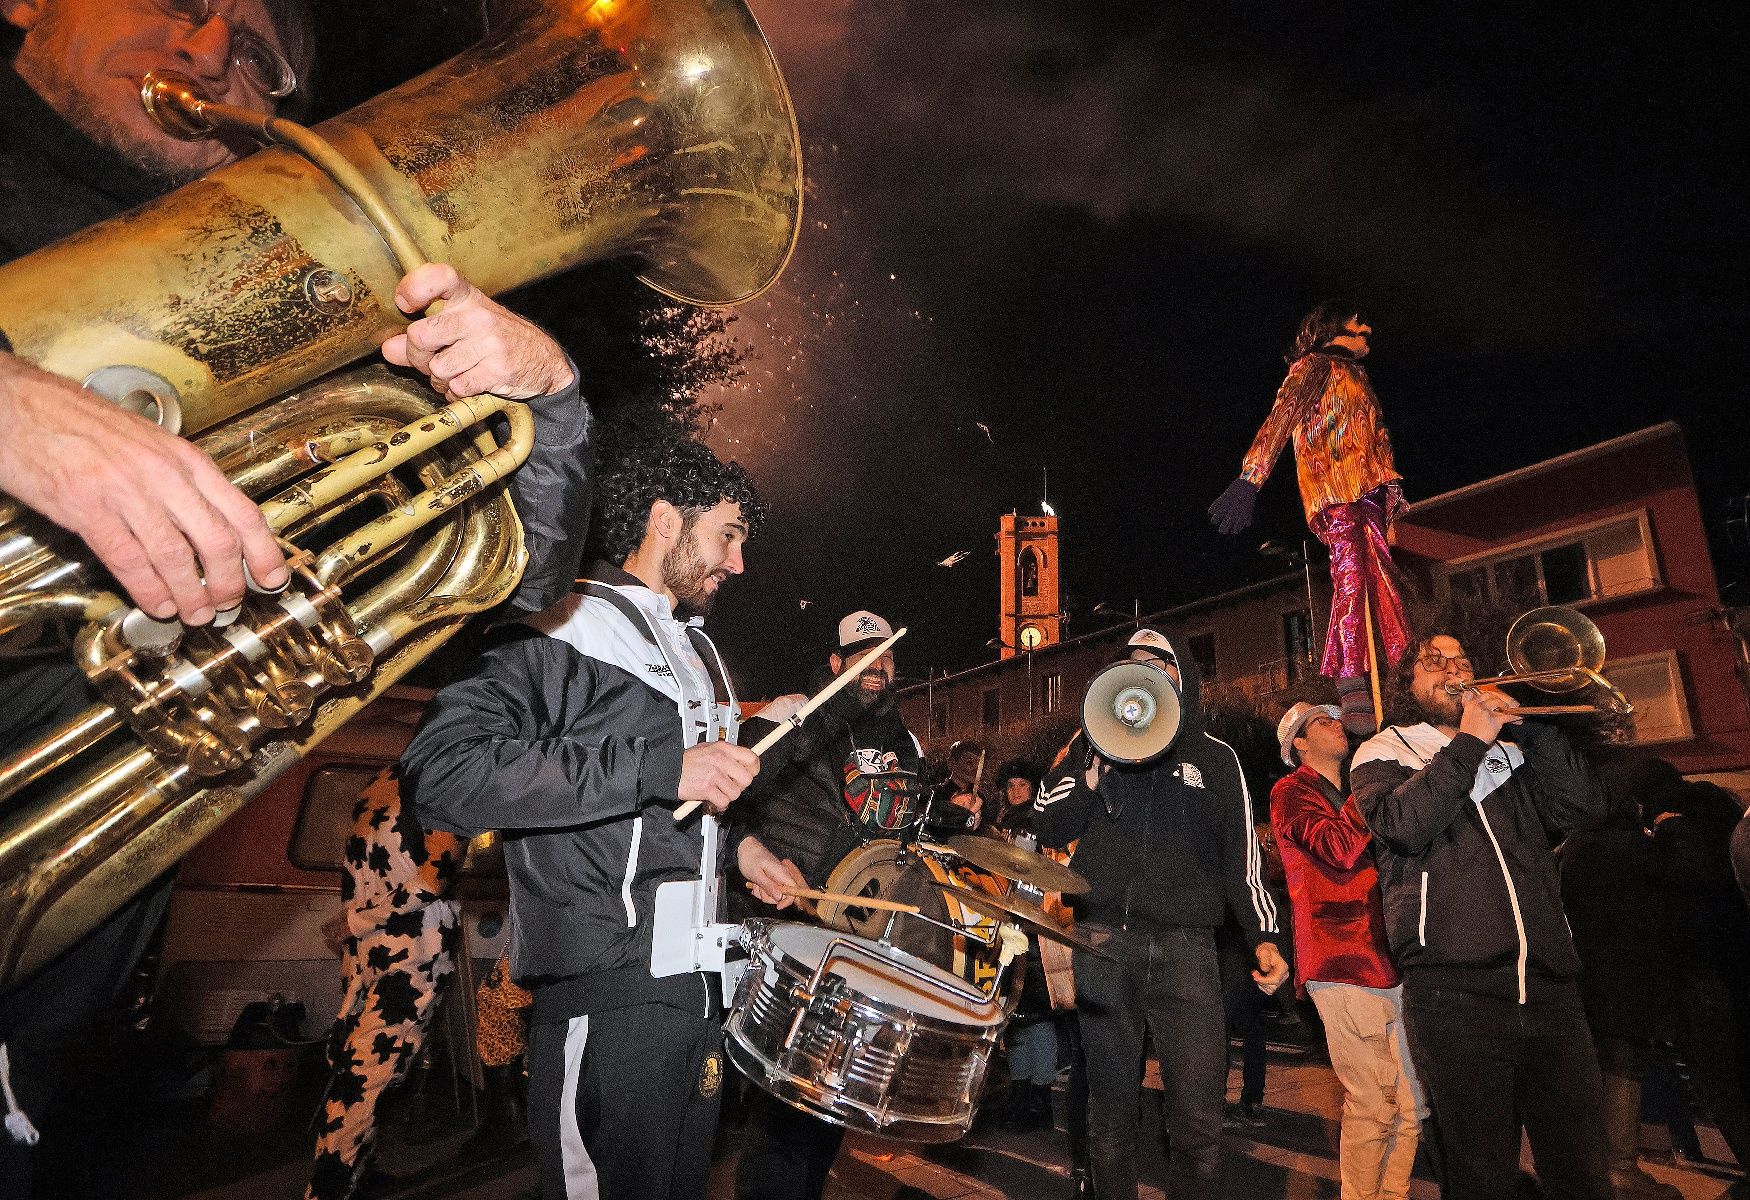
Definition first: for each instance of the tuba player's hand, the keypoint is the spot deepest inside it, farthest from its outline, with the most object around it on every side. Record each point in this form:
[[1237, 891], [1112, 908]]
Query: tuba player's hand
[[155, 511], [474, 345]]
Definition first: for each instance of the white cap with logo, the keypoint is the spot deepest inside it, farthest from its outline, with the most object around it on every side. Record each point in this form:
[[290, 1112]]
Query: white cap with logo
[[1155, 643], [861, 630]]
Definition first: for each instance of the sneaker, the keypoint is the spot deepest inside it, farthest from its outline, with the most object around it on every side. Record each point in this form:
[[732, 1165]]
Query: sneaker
[[1250, 1112]]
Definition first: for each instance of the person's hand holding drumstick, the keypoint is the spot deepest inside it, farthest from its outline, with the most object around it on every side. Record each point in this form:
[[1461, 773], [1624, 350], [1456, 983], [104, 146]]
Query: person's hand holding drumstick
[[792, 721]]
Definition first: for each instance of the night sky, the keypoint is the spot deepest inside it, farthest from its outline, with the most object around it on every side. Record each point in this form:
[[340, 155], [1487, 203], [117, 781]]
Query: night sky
[[1093, 230]]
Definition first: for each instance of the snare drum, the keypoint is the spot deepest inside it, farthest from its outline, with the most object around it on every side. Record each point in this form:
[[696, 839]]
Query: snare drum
[[861, 1034]]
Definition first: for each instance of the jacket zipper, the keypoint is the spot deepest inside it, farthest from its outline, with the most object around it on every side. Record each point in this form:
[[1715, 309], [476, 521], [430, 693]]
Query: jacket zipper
[[1422, 921], [1130, 883], [1512, 899]]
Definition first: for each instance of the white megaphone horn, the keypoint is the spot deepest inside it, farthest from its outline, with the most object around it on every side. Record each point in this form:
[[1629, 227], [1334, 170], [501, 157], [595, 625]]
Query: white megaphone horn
[[1132, 712]]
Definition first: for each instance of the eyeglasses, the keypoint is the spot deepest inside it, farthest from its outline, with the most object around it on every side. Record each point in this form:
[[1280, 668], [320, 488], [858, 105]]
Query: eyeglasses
[[260, 63], [1433, 660]]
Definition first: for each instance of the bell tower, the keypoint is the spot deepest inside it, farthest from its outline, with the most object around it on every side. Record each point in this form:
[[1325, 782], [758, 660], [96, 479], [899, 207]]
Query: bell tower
[[1029, 607]]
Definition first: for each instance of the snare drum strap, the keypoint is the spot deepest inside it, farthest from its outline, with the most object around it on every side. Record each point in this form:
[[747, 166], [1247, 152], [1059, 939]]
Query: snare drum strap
[[723, 691]]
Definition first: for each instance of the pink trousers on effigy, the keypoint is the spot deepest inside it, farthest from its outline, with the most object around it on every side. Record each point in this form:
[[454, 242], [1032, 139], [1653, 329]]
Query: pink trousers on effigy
[[1360, 557]]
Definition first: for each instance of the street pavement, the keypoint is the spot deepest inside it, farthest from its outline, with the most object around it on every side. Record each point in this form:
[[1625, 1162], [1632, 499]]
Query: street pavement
[[1292, 1156]]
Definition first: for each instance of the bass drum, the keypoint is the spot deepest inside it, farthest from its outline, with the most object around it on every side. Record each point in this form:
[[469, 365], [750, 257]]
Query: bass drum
[[905, 873]]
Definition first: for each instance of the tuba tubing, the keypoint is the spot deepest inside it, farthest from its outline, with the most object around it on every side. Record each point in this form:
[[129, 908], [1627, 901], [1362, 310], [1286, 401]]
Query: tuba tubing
[[656, 130]]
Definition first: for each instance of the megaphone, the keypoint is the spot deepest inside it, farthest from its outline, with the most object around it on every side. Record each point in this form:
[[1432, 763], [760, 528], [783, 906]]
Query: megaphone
[[1132, 713]]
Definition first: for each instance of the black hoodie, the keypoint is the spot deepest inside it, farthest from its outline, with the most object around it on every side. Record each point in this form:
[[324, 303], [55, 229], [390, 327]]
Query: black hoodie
[[797, 806], [1167, 843]]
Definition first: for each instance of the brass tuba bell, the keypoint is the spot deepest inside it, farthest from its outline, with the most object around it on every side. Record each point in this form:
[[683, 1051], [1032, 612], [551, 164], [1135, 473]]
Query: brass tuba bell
[[658, 130]]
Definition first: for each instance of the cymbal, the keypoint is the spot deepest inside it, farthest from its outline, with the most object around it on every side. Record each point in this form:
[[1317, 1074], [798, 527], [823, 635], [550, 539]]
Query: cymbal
[[1024, 913], [1012, 862]]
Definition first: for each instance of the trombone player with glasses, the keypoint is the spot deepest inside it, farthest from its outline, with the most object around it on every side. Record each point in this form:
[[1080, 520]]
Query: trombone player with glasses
[[1463, 795]]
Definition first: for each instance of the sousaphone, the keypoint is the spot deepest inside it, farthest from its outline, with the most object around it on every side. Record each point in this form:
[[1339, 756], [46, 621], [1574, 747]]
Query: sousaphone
[[576, 131]]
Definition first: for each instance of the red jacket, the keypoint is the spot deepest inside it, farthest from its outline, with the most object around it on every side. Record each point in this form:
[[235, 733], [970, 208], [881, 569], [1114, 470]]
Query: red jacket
[[1333, 888]]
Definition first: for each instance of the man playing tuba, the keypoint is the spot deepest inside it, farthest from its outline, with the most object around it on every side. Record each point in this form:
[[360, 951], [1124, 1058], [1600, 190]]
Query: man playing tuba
[[77, 148]]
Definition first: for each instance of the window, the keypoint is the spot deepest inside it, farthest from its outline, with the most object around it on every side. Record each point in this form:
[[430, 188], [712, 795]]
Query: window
[[1297, 644], [1029, 573], [1613, 558], [325, 820], [993, 707], [1203, 650], [1653, 683], [1051, 693]]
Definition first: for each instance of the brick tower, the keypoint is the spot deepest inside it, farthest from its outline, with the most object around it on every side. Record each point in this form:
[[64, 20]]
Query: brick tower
[[1029, 608]]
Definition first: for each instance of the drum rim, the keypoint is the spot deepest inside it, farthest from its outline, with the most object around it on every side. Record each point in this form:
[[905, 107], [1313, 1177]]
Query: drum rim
[[801, 971], [767, 1076]]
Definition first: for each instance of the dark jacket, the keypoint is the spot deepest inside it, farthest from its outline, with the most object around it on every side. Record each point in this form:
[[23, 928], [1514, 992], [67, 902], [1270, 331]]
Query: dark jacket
[[576, 758], [1625, 931], [1168, 843], [53, 182], [1472, 901], [797, 806]]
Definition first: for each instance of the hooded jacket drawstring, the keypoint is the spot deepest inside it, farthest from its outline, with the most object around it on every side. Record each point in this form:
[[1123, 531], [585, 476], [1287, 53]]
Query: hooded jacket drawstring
[[17, 1124]]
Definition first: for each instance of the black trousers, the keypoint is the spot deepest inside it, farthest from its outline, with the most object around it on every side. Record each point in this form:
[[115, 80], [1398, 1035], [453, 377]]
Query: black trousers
[[787, 1153], [52, 1024], [1491, 1066], [623, 1103], [1169, 986], [1244, 1004]]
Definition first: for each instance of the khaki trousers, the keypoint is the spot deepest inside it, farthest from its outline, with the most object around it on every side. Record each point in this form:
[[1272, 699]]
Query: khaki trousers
[[1383, 1105]]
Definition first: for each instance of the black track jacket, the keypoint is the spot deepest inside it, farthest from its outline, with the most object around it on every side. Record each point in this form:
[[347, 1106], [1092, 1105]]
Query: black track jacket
[[569, 741], [1168, 843], [1462, 835]]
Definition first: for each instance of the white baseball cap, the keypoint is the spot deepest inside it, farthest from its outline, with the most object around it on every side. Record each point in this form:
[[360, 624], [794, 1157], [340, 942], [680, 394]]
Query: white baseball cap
[[1156, 644], [1294, 721], [861, 630]]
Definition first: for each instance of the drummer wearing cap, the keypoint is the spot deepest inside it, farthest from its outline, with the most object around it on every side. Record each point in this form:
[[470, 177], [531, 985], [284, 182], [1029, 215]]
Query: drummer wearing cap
[[850, 774], [1168, 850], [1340, 954]]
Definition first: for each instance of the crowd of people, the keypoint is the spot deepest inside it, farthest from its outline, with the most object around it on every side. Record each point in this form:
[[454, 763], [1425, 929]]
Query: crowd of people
[[1497, 939]]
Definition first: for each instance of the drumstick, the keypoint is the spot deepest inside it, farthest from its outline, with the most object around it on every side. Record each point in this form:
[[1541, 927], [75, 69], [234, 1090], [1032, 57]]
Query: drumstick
[[795, 719], [850, 901]]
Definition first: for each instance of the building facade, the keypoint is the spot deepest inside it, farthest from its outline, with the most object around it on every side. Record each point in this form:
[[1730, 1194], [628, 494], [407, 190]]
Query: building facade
[[1255, 642], [1614, 530]]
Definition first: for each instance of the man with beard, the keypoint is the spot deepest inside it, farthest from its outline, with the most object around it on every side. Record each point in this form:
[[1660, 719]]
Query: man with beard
[[1168, 849], [580, 734], [77, 148], [1462, 820], [848, 775]]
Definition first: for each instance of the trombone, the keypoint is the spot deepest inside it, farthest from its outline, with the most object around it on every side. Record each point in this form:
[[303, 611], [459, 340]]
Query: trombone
[[1555, 649]]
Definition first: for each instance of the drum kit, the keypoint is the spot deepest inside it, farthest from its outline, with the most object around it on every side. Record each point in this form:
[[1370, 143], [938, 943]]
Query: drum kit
[[883, 1017], [863, 1020]]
